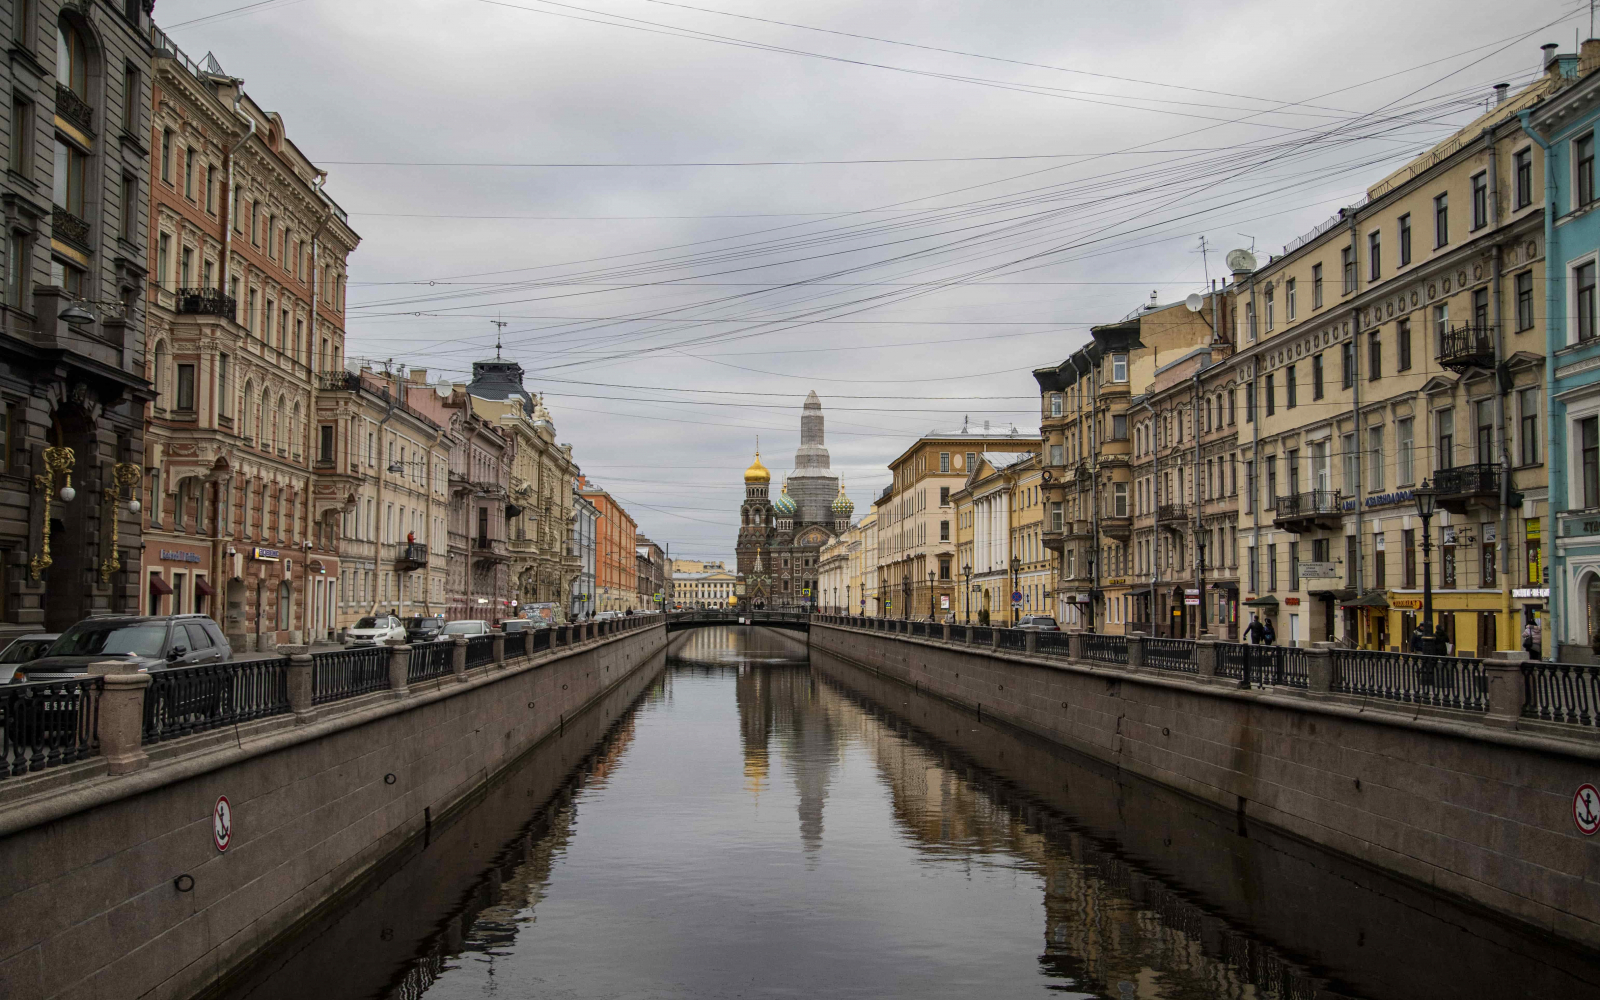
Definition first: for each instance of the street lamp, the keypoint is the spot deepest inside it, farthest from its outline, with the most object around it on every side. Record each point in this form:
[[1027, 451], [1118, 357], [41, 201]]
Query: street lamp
[[905, 593], [966, 570], [1200, 583], [1426, 497], [883, 588], [930, 595], [1016, 567]]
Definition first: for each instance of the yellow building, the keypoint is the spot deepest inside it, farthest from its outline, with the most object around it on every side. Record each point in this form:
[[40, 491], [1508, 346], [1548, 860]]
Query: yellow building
[[846, 579], [1000, 527]]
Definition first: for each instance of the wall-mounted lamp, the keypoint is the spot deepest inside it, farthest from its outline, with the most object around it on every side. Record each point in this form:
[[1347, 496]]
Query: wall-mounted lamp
[[58, 462]]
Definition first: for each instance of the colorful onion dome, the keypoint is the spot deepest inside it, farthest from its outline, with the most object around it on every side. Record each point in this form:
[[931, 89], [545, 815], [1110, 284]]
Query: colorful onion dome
[[843, 506], [785, 505]]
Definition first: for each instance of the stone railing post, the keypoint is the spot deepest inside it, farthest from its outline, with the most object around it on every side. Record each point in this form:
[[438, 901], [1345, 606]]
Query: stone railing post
[[1075, 644], [1030, 642], [500, 649], [1206, 654], [1319, 670], [302, 687], [994, 637], [1508, 687], [1135, 650], [400, 669], [945, 628], [120, 727], [458, 659]]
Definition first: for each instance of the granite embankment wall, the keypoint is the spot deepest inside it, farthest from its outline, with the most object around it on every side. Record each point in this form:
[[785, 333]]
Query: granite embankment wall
[[1483, 814], [112, 886]]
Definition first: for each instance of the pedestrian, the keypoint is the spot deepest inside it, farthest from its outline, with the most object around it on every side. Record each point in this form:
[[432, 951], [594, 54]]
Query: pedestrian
[[1531, 639], [1269, 635], [1254, 633]]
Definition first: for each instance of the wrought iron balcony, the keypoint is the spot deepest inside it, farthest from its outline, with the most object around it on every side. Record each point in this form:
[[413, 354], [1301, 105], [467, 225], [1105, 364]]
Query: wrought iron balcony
[[413, 555], [1170, 514], [206, 302], [74, 109], [339, 380], [1467, 347], [1467, 486], [69, 229], [1300, 512]]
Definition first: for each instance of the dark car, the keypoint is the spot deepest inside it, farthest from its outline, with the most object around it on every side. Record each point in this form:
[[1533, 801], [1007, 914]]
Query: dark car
[[511, 625], [424, 629], [1039, 623], [151, 642]]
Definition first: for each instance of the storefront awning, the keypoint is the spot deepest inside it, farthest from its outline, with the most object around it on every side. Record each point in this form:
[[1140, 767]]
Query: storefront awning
[[1139, 592], [1262, 602], [1342, 594], [159, 586], [1371, 599], [202, 587]]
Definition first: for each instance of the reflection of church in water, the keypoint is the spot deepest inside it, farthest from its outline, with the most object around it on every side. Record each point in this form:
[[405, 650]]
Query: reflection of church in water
[[780, 540]]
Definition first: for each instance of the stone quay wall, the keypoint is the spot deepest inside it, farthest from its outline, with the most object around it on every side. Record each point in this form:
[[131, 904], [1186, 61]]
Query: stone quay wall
[[113, 884], [1479, 811]]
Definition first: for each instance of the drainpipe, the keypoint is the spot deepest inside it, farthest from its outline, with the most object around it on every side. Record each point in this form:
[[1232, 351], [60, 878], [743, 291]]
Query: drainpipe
[[1355, 399], [1254, 407], [1199, 570], [1506, 632], [1155, 507], [229, 201], [1094, 493], [1553, 283]]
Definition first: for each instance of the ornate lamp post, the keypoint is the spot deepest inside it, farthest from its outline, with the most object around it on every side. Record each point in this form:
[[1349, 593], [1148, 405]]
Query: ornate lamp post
[[930, 595], [1200, 583], [1426, 497], [1016, 567], [905, 593], [966, 571], [883, 588]]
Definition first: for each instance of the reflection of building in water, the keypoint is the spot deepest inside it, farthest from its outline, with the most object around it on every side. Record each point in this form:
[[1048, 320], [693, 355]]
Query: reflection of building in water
[[1108, 927], [781, 702], [755, 725]]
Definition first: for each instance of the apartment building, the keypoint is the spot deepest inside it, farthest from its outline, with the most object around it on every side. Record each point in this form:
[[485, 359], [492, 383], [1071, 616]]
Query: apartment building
[[847, 574], [702, 588], [915, 522], [1004, 568], [616, 557]]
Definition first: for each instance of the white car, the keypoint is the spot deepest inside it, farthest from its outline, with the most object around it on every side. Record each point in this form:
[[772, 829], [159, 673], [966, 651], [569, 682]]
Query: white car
[[468, 627], [375, 630], [13, 661]]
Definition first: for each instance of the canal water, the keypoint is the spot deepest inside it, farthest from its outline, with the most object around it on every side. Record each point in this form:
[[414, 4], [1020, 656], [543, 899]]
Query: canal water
[[746, 821]]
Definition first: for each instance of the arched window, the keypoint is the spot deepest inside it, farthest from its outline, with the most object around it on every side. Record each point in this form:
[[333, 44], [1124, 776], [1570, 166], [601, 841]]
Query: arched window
[[261, 418], [72, 60], [246, 414], [296, 430]]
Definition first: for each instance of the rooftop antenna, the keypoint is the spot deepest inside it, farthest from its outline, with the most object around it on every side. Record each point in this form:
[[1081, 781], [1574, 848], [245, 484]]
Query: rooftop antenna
[[500, 325], [1205, 258], [1252, 240]]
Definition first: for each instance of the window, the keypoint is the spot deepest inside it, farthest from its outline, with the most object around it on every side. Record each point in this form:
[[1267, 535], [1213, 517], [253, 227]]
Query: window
[[1290, 388], [1380, 575], [1271, 311], [1272, 394], [1374, 357], [1583, 165], [1250, 319], [944, 531], [1441, 322], [1249, 402], [325, 443], [1589, 445], [272, 228], [1255, 571], [1374, 255], [1347, 364], [1272, 567], [1316, 286], [211, 184], [1441, 220], [1528, 403], [1249, 486], [1522, 177], [1402, 344], [1119, 499], [1404, 442], [1231, 411], [1445, 422], [1480, 309], [22, 21], [1316, 376], [71, 166], [1352, 464], [72, 61], [1374, 459], [1055, 455], [1289, 300], [255, 224], [166, 155], [1523, 293], [1405, 239], [1347, 260], [1119, 427], [1352, 546], [944, 461], [224, 387], [130, 208], [186, 268], [1055, 404], [163, 258], [186, 387], [1408, 557], [188, 173], [250, 313], [1292, 465], [944, 496], [1480, 200], [1484, 410], [1583, 281], [21, 137], [1294, 563], [1272, 479], [1119, 368]]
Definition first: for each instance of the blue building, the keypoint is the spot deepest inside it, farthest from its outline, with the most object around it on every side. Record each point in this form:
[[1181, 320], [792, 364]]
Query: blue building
[[1562, 128]]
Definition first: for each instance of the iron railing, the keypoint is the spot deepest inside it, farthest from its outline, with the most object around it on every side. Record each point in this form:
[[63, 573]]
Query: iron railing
[[1562, 692], [347, 673], [1011, 638], [1412, 678], [48, 723], [430, 660], [516, 644], [1105, 648], [540, 640], [1467, 347], [1054, 643], [1171, 654], [185, 700], [980, 635], [1311, 503], [1468, 480], [480, 650], [1254, 665], [206, 302], [69, 229]]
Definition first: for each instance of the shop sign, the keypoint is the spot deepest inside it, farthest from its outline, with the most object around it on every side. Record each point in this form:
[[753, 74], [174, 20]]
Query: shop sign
[[1531, 593], [1572, 526], [944, 601], [1447, 536], [1190, 592], [1192, 601], [1406, 603], [1318, 570], [265, 555], [1291, 601], [1117, 582], [177, 555]]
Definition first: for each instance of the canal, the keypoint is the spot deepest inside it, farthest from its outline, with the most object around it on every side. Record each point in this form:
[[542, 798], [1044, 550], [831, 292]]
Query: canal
[[761, 823]]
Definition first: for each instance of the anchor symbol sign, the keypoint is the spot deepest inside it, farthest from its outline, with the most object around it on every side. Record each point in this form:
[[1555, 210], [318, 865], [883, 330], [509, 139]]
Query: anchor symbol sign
[[1586, 810]]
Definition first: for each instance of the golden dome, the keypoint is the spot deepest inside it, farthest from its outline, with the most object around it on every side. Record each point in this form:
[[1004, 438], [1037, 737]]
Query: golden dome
[[757, 473]]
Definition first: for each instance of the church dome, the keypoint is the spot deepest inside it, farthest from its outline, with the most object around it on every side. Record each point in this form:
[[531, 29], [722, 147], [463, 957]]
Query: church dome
[[757, 473], [784, 505], [843, 506]]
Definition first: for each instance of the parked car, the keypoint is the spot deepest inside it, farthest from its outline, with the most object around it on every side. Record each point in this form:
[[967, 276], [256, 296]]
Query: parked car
[[375, 630], [511, 625], [468, 627], [424, 629], [154, 642], [1039, 623], [22, 650], [605, 616]]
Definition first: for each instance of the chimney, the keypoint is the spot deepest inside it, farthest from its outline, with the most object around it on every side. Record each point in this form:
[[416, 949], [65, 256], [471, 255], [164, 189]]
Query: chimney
[[1589, 56], [419, 376], [1501, 90], [1152, 298], [986, 426], [1547, 56]]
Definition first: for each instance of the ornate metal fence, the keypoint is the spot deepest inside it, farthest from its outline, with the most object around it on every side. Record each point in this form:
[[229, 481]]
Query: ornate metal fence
[[1171, 654], [346, 673], [188, 700], [1011, 638], [480, 651], [1255, 665], [1054, 643], [1562, 692], [1439, 681], [1105, 648], [430, 660], [48, 723], [516, 644]]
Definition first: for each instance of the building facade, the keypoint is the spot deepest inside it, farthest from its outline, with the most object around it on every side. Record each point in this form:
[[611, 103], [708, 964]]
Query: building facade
[[1005, 570], [709, 588], [616, 554], [479, 581], [582, 550], [654, 573], [72, 331]]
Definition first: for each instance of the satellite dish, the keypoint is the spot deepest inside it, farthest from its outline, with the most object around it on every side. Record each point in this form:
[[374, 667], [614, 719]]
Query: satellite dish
[[1193, 302], [443, 388], [1241, 260]]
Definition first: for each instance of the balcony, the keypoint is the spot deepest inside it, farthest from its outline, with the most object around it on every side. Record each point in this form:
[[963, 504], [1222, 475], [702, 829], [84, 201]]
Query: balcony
[[413, 555], [1078, 530], [1301, 512], [1053, 539], [69, 229], [1467, 486], [1170, 514], [492, 549], [74, 109], [1467, 347], [1120, 528], [206, 302], [348, 381]]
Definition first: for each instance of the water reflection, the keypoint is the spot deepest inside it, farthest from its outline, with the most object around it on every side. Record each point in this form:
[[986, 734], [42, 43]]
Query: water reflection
[[761, 825]]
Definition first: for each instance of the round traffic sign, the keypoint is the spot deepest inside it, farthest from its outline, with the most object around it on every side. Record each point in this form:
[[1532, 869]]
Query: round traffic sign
[[1016, 596], [222, 823], [1586, 809]]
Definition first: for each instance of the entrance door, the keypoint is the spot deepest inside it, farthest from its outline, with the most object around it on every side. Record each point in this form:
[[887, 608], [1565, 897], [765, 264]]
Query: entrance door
[[1486, 630], [1294, 631]]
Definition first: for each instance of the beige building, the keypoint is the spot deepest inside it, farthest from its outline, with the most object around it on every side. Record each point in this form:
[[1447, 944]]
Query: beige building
[[916, 561], [697, 565], [713, 588], [1000, 551], [847, 577]]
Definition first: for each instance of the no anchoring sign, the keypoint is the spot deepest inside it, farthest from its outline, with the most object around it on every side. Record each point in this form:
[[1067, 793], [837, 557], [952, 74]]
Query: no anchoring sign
[[1586, 810], [222, 823]]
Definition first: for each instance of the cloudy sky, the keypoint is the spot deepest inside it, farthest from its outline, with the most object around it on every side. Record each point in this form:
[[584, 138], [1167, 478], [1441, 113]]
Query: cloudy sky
[[690, 214]]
